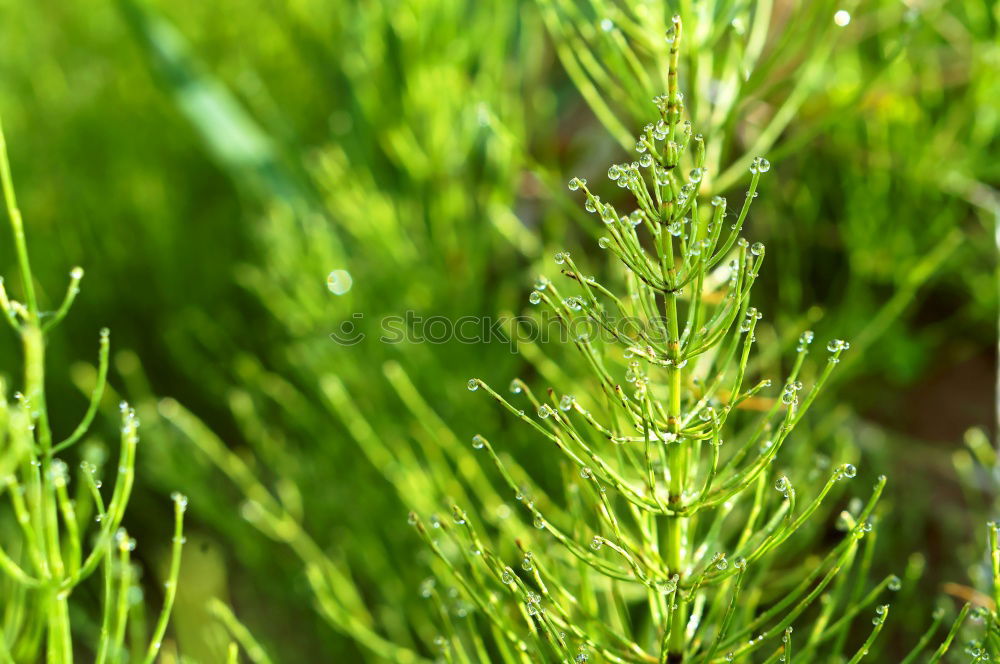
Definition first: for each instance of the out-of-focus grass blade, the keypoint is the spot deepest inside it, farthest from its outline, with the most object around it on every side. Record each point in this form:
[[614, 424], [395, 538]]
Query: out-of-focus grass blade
[[231, 135]]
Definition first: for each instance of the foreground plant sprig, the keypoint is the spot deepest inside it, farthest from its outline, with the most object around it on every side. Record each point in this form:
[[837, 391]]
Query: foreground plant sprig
[[665, 541], [44, 554]]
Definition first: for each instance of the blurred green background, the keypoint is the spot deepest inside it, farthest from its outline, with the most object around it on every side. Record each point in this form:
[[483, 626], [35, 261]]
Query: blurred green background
[[209, 163]]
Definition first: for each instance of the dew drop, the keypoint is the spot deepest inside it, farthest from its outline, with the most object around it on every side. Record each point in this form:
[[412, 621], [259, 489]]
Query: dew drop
[[837, 344], [339, 282], [527, 564]]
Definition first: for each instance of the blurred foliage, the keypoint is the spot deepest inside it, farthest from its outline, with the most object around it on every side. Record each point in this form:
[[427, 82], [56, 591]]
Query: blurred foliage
[[210, 163]]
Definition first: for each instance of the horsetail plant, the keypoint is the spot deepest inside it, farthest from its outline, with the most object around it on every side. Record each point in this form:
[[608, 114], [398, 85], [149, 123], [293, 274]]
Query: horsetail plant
[[741, 51], [986, 648], [978, 470], [45, 532], [666, 546]]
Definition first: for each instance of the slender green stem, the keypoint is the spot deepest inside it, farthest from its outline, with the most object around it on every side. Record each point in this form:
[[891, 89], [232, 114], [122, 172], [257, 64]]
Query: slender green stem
[[678, 462], [925, 638], [95, 396], [952, 633], [20, 244], [170, 585]]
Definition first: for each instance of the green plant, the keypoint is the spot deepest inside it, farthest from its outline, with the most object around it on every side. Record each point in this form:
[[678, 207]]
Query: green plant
[[44, 533], [400, 180], [663, 539], [741, 57], [379, 200], [840, 85], [978, 471], [986, 647]]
